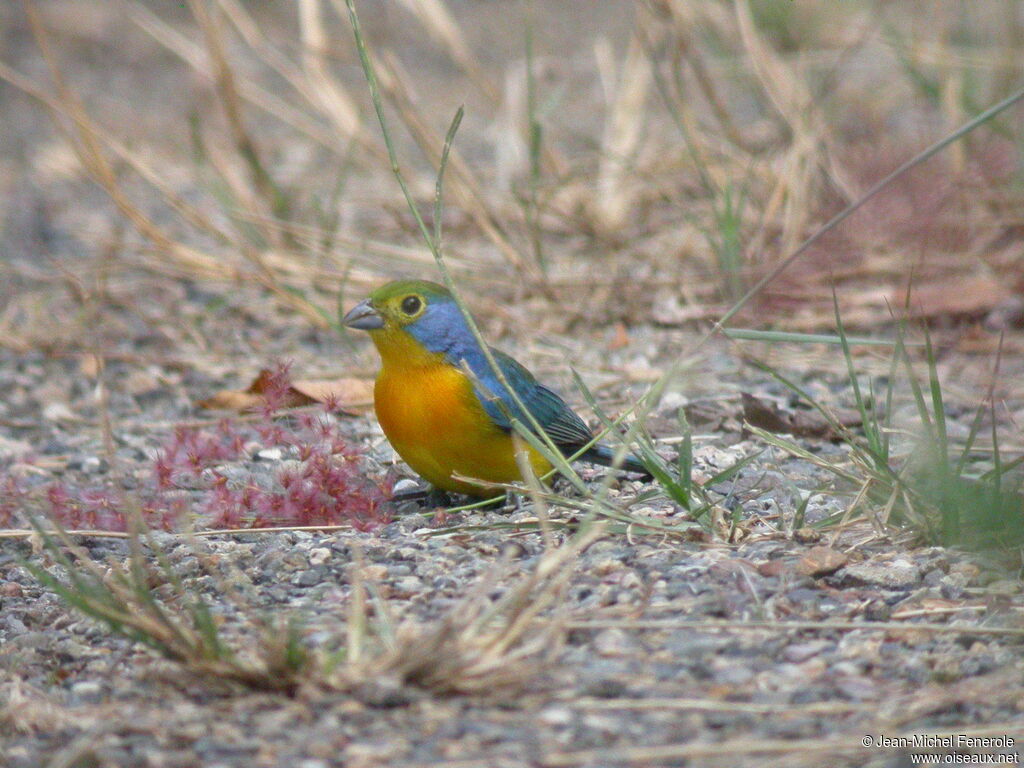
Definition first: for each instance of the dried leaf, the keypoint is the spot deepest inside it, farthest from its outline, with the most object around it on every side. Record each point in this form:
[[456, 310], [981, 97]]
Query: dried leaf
[[974, 296], [350, 394], [347, 394], [768, 416]]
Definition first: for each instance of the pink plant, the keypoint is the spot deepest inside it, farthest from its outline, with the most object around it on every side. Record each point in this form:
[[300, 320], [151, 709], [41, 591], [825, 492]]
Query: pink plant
[[325, 486]]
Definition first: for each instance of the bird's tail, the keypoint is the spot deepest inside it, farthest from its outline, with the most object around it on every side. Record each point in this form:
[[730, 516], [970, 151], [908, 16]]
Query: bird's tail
[[602, 454]]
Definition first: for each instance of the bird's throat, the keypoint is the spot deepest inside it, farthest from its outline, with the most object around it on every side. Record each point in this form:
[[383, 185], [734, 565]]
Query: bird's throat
[[399, 350]]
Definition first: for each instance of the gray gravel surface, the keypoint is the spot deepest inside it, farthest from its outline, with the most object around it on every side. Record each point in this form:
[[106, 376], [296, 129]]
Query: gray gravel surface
[[675, 650]]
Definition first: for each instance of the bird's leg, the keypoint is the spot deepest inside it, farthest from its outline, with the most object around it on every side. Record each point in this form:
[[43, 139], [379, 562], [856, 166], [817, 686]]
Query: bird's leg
[[411, 494], [430, 496], [437, 498]]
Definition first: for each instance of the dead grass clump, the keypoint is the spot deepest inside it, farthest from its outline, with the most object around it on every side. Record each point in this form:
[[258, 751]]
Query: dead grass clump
[[480, 645]]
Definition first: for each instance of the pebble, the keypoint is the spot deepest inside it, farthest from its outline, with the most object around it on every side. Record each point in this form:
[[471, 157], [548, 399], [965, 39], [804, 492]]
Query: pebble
[[87, 690], [11, 589], [374, 571], [421, 578], [405, 485], [557, 716], [58, 411], [10, 450], [615, 642], [309, 578], [802, 651], [319, 555], [897, 574]]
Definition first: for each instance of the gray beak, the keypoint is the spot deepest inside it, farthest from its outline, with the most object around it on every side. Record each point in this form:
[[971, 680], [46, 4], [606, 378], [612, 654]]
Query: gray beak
[[363, 317]]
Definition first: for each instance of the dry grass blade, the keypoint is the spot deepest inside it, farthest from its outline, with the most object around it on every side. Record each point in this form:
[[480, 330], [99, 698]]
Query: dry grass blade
[[793, 101], [334, 99], [192, 54], [477, 647], [803, 750], [194, 262], [761, 626], [88, 140], [209, 21], [467, 188], [181, 628], [480, 646], [442, 27], [626, 95], [446, 32]]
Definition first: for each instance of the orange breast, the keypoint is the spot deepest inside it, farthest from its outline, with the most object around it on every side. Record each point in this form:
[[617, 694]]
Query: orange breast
[[436, 424]]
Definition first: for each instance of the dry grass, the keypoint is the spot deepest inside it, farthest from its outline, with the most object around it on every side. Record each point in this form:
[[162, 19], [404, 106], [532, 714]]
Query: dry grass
[[685, 159], [481, 646], [710, 152]]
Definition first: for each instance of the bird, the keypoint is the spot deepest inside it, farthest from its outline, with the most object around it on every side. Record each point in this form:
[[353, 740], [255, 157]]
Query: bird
[[442, 407]]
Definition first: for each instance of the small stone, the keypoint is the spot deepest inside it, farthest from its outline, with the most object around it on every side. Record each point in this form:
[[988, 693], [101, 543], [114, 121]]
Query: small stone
[[409, 584], [897, 574], [58, 412], [773, 568], [319, 556], [384, 692], [607, 565], [614, 642], [968, 570], [375, 571], [309, 578], [92, 465], [405, 485], [11, 589], [733, 674], [366, 754], [87, 689], [807, 535], [605, 688], [30, 640], [878, 610], [821, 561], [858, 688], [12, 449], [556, 716], [799, 652], [270, 454], [952, 586]]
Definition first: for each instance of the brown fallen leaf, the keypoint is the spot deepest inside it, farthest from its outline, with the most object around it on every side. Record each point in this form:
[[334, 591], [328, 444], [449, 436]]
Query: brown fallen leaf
[[821, 561], [347, 394], [973, 296], [350, 394], [771, 418]]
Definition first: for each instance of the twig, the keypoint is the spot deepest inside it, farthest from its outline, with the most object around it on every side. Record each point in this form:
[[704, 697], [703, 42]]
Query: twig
[[757, 626]]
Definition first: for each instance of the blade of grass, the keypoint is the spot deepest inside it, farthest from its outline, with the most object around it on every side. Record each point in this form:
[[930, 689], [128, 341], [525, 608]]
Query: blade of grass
[[435, 247]]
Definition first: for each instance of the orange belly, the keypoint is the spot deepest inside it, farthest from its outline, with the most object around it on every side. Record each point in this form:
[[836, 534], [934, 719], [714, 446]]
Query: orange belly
[[434, 421]]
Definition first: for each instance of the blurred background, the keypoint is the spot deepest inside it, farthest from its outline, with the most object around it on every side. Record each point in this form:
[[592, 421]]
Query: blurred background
[[619, 161]]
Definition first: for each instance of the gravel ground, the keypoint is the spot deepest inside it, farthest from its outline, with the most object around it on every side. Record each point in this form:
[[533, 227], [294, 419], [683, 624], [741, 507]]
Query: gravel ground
[[625, 677], [669, 650]]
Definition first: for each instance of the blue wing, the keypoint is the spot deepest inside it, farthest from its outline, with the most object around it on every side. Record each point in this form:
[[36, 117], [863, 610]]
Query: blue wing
[[551, 412]]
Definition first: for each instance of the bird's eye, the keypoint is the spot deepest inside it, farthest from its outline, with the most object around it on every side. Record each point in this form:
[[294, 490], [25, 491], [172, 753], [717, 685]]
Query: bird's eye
[[411, 305]]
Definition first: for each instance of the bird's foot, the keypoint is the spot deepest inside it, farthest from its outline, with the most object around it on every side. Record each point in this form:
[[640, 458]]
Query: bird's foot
[[410, 494]]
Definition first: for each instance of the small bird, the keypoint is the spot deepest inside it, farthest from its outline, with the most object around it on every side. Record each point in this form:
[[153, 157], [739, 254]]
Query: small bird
[[443, 421]]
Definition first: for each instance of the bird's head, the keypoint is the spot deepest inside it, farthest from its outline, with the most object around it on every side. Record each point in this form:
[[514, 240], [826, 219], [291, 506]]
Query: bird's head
[[423, 310]]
